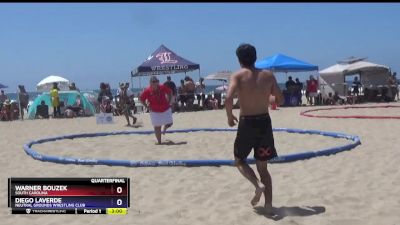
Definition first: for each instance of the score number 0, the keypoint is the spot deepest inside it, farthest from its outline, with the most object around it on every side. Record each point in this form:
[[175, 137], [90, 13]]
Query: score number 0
[[119, 191]]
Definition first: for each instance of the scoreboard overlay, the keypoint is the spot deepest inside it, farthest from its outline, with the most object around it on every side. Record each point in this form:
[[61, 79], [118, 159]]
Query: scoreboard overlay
[[94, 195]]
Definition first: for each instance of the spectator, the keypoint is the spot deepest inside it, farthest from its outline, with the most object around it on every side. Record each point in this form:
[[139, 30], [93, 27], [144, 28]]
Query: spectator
[[104, 92], [6, 111], [169, 83], [312, 88], [42, 111], [200, 89], [182, 94], [290, 85], [125, 100], [23, 99], [189, 89], [3, 97], [55, 100], [356, 86], [393, 90], [299, 88], [72, 87]]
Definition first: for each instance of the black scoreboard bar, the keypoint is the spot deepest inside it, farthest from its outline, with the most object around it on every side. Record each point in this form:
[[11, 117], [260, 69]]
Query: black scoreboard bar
[[94, 195]]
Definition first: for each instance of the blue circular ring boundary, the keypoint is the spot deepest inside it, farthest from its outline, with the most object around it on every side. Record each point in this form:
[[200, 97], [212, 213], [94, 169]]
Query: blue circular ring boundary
[[154, 163]]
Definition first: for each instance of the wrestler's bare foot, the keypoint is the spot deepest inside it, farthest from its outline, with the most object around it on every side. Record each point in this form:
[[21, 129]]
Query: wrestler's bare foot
[[166, 127], [134, 120], [268, 210], [257, 196]]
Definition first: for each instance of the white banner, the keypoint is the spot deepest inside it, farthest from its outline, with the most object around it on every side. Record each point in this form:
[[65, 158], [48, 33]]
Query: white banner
[[104, 118]]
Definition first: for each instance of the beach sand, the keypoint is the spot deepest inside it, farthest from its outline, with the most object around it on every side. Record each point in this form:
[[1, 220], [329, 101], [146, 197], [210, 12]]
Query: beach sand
[[361, 186]]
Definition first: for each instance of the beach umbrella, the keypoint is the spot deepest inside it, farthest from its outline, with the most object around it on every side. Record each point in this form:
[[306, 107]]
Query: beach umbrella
[[223, 76], [47, 83], [220, 75], [3, 86], [222, 88]]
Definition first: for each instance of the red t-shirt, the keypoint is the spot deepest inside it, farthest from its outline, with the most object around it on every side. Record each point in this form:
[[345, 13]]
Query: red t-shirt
[[158, 102], [312, 86]]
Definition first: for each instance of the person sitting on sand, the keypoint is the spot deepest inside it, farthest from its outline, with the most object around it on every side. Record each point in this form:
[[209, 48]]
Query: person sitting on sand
[[211, 102], [76, 108], [157, 98], [42, 111], [105, 106], [6, 111]]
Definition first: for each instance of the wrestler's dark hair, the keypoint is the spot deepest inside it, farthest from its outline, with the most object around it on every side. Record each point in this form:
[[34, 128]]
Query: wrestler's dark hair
[[246, 54]]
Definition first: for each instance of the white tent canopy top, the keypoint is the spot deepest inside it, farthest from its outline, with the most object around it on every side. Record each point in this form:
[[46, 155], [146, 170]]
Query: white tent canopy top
[[47, 83], [353, 68], [332, 79]]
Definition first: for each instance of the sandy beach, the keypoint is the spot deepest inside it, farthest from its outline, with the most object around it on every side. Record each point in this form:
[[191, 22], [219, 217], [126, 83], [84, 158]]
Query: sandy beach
[[357, 187]]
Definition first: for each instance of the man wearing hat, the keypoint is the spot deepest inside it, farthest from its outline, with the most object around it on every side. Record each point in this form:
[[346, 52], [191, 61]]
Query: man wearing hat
[[157, 97]]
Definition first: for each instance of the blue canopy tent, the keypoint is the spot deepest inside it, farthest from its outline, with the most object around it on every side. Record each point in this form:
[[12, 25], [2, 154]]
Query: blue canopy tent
[[164, 61], [283, 63], [3, 86]]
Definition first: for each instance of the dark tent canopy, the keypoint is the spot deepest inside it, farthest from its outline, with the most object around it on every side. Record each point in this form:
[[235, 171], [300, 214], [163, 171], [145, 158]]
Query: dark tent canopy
[[164, 61], [3, 86]]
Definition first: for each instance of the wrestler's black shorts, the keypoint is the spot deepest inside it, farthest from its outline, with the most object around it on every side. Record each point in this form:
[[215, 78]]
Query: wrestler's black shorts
[[255, 132]]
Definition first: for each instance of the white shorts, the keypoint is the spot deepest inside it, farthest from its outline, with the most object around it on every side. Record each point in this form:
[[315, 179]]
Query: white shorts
[[159, 119], [313, 94], [173, 99]]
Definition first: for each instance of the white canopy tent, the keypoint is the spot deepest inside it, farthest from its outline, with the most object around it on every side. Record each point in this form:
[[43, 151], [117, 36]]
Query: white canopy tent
[[47, 83], [332, 79]]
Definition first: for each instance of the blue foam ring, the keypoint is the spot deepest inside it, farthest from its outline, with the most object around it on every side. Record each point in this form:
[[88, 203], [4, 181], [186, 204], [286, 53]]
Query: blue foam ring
[[188, 163]]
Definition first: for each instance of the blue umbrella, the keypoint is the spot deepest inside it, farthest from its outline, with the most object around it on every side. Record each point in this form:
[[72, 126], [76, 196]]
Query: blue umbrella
[[283, 63], [3, 86]]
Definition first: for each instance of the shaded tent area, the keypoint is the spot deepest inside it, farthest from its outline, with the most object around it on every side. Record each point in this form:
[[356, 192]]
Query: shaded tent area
[[164, 61], [283, 63], [67, 98], [373, 78]]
